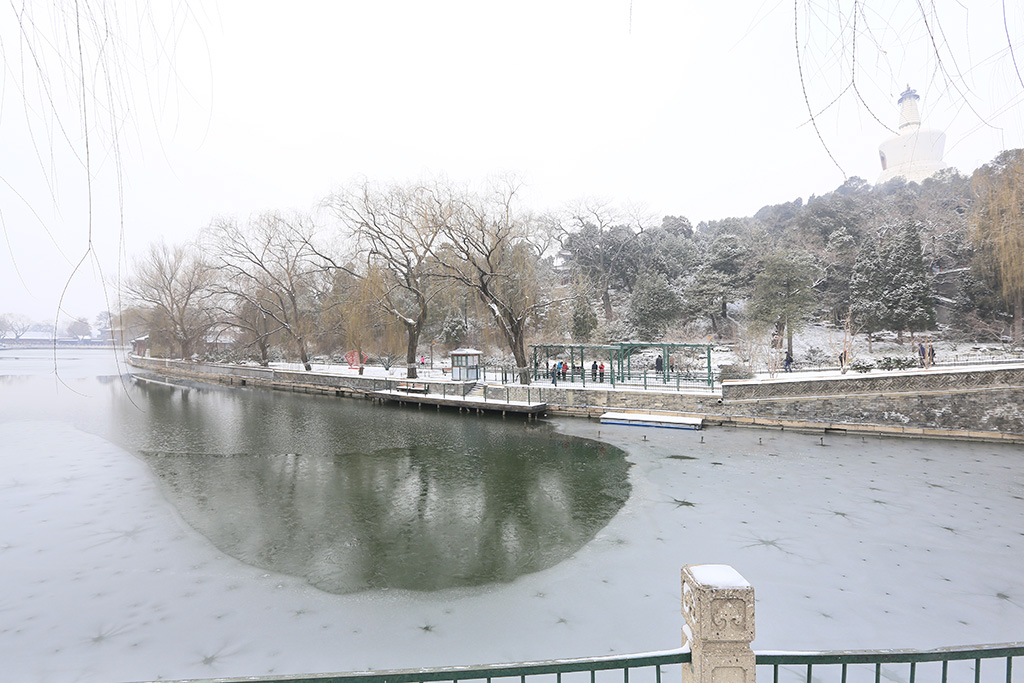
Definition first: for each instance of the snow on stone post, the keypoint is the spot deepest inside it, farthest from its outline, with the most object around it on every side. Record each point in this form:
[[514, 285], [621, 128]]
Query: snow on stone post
[[718, 606]]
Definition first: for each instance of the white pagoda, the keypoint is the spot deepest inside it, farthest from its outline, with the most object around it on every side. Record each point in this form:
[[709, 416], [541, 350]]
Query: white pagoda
[[916, 153]]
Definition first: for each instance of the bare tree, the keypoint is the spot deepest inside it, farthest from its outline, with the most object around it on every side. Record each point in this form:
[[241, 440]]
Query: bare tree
[[271, 266], [997, 225], [398, 228], [78, 327], [602, 244], [174, 285], [256, 328], [15, 324], [495, 250]]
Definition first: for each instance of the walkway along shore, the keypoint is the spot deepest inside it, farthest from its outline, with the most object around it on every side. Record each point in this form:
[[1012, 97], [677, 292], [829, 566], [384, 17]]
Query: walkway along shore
[[980, 403]]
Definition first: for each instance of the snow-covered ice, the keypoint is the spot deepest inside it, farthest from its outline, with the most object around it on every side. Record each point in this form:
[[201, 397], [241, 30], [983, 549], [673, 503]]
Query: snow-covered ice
[[857, 543]]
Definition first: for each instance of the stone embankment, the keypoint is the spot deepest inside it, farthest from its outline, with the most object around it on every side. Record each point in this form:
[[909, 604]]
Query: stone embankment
[[960, 403]]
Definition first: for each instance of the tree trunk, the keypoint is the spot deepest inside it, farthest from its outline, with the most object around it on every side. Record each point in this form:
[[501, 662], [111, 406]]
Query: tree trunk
[[303, 356], [413, 341], [520, 356], [606, 301], [517, 345], [1018, 316]]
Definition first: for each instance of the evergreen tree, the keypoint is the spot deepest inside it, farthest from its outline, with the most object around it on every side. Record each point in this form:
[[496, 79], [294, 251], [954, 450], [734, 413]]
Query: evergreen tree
[[653, 305], [867, 289], [584, 320], [907, 297], [783, 294]]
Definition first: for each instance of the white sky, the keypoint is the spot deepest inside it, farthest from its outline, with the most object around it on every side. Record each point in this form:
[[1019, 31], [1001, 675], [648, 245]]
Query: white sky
[[679, 107]]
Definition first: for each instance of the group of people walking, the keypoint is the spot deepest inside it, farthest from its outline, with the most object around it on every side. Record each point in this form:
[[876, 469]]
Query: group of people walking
[[561, 369]]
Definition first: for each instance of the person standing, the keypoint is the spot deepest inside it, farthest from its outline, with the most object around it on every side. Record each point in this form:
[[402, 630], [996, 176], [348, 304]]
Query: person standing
[[593, 372], [788, 363], [600, 371]]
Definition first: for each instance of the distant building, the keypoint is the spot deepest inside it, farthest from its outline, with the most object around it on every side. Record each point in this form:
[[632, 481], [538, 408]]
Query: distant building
[[916, 153]]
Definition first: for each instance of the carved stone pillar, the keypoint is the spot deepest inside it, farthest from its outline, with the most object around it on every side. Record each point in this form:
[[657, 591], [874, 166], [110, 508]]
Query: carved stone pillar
[[718, 606]]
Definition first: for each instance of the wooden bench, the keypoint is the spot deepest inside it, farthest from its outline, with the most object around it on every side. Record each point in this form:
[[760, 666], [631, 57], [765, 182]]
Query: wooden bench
[[414, 387]]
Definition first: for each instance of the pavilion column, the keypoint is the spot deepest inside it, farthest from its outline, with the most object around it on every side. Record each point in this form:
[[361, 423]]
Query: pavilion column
[[718, 608]]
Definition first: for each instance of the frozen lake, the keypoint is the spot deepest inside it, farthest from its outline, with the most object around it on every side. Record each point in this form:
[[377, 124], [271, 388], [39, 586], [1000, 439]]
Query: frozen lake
[[116, 567]]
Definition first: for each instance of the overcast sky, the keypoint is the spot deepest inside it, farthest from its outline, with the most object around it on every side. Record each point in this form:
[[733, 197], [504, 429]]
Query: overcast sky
[[681, 107]]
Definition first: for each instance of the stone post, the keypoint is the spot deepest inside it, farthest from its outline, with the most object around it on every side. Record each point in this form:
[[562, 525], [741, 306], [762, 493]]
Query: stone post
[[718, 606]]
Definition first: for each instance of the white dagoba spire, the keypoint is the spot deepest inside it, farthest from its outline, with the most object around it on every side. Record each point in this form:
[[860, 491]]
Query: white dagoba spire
[[909, 115], [916, 153]]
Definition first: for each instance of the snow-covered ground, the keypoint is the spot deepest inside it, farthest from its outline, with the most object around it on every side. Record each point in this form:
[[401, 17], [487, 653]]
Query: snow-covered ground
[[815, 347], [856, 543]]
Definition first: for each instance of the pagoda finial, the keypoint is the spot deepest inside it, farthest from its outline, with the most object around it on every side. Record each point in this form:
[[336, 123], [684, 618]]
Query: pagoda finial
[[909, 93]]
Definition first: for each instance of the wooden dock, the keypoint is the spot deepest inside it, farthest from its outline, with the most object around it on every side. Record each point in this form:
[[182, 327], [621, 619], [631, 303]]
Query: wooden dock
[[470, 402], [652, 420]]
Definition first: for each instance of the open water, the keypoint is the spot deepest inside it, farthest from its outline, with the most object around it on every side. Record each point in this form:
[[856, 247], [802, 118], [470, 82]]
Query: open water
[[344, 493]]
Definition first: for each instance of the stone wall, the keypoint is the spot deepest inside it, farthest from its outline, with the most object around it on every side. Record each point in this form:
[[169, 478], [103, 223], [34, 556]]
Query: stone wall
[[979, 403], [970, 403], [289, 380], [912, 381]]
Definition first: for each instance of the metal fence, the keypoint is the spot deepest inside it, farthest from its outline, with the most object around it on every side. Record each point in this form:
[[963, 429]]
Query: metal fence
[[955, 361], [941, 665], [586, 378], [644, 668], [982, 663]]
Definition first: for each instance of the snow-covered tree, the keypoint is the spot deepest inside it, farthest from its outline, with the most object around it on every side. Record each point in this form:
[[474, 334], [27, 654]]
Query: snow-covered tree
[[783, 295], [584, 320], [653, 306], [868, 283], [907, 296], [495, 249]]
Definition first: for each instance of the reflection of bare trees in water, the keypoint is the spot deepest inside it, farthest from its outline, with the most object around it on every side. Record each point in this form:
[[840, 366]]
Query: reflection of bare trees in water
[[419, 518]]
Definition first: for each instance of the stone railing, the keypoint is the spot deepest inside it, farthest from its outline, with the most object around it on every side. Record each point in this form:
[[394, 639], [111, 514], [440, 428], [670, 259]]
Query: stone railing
[[718, 609]]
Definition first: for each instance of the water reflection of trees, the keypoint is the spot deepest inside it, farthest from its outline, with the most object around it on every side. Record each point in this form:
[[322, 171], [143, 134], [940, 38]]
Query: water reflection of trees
[[429, 503]]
